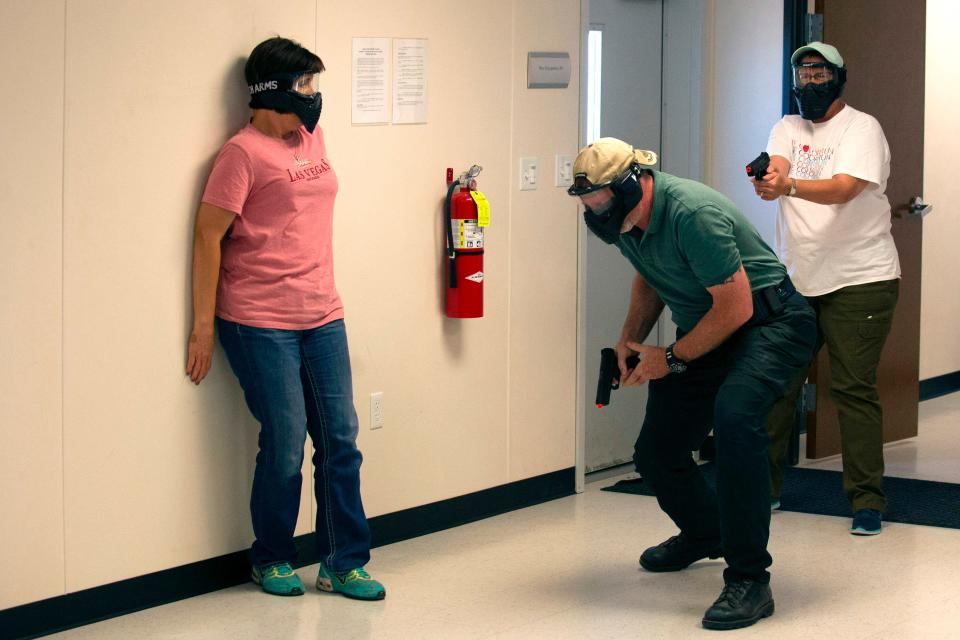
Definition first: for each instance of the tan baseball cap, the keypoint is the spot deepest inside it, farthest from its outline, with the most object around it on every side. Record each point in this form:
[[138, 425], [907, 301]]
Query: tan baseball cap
[[827, 51], [601, 162]]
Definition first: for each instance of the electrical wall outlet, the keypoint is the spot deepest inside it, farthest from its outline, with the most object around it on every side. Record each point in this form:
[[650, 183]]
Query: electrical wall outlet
[[376, 410]]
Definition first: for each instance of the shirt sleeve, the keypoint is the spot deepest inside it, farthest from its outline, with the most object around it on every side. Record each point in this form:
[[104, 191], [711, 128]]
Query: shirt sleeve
[[862, 151], [707, 241], [779, 143], [230, 180]]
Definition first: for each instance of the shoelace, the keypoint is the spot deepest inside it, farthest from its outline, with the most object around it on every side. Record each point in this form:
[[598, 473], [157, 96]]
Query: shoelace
[[278, 571], [732, 594], [353, 575], [672, 541]]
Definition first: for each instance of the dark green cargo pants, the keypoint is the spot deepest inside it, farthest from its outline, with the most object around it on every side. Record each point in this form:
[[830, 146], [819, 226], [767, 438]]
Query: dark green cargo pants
[[854, 323]]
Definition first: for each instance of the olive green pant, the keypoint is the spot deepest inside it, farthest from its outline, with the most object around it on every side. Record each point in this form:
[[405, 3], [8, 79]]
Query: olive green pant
[[854, 323]]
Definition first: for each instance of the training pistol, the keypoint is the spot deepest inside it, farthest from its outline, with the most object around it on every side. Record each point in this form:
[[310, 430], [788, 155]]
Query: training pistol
[[758, 168], [609, 379]]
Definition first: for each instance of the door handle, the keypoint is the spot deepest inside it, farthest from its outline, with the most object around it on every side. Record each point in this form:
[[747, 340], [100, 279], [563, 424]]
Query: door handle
[[918, 208]]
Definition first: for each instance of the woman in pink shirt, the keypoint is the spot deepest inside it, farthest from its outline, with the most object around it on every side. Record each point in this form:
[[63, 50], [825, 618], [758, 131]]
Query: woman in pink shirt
[[263, 234]]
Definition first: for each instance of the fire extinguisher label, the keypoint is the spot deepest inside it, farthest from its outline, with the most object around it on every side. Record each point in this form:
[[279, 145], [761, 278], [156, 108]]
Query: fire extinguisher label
[[483, 208], [466, 234], [476, 277]]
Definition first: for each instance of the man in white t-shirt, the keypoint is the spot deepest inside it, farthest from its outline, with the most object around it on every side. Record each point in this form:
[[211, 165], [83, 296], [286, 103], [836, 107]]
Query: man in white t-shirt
[[828, 172]]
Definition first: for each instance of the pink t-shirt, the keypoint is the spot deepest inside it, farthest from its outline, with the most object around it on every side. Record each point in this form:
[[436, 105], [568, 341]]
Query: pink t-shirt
[[277, 261]]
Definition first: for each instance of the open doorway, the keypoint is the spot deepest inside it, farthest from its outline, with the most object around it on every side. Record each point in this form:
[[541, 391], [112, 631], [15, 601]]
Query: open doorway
[[908, 91], [645, 86], [622, 52]]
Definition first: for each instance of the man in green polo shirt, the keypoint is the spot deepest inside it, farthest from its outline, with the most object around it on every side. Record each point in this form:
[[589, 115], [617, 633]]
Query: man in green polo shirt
[[742, 335]]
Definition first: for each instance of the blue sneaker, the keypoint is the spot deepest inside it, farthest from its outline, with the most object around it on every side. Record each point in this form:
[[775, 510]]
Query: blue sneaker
[[278, 579], [866, 522]]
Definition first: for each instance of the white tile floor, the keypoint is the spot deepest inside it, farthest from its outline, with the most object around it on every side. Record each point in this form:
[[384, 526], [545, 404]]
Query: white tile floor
[[568, 569]]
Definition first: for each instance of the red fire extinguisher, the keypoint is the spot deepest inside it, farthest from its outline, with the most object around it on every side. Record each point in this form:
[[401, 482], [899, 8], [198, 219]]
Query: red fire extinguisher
[[466, 214]]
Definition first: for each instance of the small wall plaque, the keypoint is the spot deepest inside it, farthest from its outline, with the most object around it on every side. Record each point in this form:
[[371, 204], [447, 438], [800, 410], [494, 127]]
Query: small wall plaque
[[548, 70]]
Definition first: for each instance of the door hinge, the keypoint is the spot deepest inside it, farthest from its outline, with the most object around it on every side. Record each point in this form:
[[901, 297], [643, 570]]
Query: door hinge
[[813, 27]]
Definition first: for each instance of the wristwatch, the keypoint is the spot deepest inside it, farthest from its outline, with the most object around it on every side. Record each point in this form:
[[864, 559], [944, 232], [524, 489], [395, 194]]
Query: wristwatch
[[793, 187], [675, 364]]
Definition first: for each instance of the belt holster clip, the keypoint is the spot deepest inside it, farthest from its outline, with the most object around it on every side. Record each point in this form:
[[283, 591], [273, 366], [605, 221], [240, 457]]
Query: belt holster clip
[[772, 297]]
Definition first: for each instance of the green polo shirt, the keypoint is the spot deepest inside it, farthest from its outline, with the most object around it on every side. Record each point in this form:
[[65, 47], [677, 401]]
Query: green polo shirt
[[696, 239]]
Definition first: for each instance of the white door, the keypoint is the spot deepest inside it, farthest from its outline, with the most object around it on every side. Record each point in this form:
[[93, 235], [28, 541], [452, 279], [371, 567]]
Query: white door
[[630, 104]]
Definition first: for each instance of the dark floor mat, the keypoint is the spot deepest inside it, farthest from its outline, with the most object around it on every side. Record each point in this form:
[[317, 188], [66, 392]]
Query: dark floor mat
[[935, 504]]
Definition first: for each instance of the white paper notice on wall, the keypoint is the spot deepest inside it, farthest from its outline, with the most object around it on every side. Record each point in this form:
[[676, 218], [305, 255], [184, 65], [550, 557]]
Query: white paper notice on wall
[[371, 74], [409, 80], [548, 70]]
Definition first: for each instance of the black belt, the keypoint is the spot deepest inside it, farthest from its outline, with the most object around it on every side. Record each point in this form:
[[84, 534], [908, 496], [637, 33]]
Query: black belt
[[768, 302]]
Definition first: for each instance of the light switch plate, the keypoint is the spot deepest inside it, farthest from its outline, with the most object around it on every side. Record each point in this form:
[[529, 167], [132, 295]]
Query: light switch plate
[[528, 173], [564, 171]]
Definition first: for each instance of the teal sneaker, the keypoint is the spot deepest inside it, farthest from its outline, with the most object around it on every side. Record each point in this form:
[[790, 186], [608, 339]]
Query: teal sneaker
[[278, 579], [866, 522], [774, 504], [356, 584]]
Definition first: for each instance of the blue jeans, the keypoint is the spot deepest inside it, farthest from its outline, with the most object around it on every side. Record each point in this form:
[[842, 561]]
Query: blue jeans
[[295, 383]]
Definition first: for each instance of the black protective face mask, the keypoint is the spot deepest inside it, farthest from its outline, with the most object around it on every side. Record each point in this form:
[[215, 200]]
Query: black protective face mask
[[606, 226], [627, 193], [815, 99], [307, 108]]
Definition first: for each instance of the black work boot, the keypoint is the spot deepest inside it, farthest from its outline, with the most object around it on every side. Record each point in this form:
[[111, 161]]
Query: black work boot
[[678, 553], [741, 603]]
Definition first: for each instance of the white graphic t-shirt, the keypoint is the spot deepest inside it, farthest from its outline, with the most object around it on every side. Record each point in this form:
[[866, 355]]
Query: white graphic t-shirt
[[827, 247]]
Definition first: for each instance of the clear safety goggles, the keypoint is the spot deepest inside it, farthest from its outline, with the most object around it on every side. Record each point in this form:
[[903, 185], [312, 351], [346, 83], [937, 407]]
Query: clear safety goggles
[[600, 200], [812, 73], [303, 82], [582, 185], [306, 84]]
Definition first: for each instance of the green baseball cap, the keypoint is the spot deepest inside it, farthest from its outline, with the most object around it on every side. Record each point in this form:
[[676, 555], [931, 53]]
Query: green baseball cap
[[827, 51]]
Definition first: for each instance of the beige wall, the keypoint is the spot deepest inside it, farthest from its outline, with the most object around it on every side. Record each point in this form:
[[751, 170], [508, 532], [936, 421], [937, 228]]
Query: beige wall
[[140, 471], [31, 166], [155, 471], [940, 297], [469, 404], [543, 249]]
